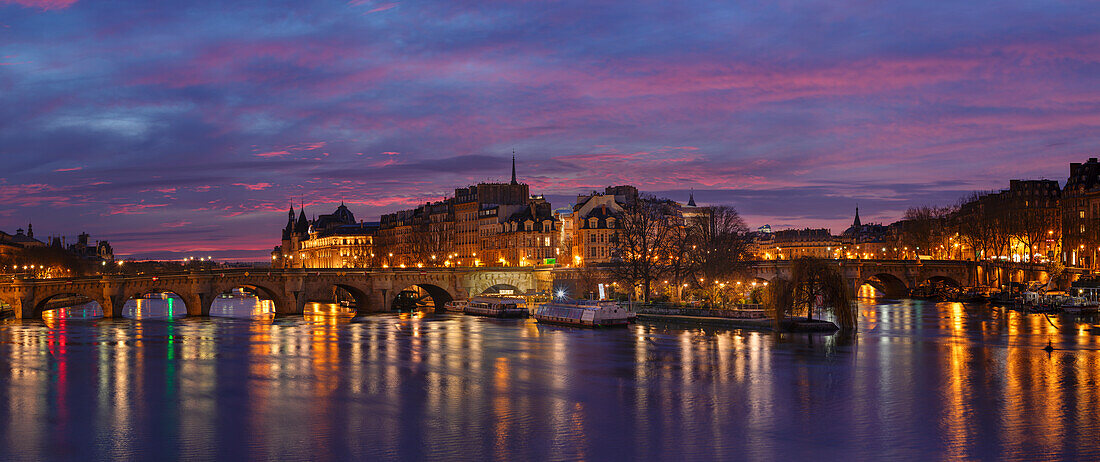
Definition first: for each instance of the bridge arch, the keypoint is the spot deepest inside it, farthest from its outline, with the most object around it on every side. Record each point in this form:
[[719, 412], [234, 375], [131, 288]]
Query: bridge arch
[[42, 303], [943, 278], [888, 284], [328, 291], [136, 295], [280, 304], [502, 288], [438, 295]]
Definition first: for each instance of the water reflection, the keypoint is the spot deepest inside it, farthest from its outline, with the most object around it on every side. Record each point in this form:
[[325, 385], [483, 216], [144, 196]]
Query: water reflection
[[81, 312], [243, 306], [155, 306], [920, 380]]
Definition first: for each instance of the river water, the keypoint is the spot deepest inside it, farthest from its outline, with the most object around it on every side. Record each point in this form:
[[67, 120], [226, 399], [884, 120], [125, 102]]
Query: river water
[[920, 381]]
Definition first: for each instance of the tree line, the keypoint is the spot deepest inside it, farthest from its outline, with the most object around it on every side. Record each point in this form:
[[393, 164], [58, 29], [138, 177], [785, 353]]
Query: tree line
[[990, 224], [698, 254]]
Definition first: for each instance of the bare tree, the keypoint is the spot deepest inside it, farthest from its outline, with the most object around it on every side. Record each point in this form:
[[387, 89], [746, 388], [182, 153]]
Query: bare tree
[[1032, 221], [976, 224], [924, 230], [709, 251], [643, 244]]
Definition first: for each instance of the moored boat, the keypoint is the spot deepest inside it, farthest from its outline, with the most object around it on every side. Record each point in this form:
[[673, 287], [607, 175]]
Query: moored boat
[[1002, 299], [455, 305], [587, 313], [973, 296], [1078, 305], [496, 307]]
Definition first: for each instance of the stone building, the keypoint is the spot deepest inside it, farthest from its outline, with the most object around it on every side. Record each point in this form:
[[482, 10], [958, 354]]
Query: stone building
[[84, 249], [527, 237], [417, 237], [479, 211], [330, 241], [595, 219], [794, 243], [20, 239], [1080, 207], [862, 241]]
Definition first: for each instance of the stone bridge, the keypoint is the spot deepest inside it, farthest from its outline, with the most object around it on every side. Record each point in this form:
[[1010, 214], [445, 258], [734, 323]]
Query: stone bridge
[[289, 290], [895, 278]]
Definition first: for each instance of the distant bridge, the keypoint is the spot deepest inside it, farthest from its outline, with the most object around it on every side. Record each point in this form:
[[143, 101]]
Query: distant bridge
[[375, 289], [289, 290], [895, 278]]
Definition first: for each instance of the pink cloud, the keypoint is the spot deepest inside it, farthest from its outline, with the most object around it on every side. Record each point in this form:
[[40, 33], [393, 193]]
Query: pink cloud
[[131, 209], [279, 151], [384, 7], [383, 163], [254, 187], [391, 159], [42, 4], [176, 224], [68, 169]]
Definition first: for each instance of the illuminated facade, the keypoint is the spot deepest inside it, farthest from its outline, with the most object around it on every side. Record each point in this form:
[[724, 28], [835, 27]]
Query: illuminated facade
[[789, 244], [342, 249], [417, 237], [467, 229], [527, 237], [331, 241], [596, 218], [1080, 206]]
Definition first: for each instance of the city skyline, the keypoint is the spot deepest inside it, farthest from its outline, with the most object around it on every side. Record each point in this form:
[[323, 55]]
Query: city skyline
[[168, 133]]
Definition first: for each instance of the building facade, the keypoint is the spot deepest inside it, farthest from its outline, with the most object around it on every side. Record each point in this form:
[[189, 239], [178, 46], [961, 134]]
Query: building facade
[[595, 220], [335, 240], [794, 243], [1080, 207]]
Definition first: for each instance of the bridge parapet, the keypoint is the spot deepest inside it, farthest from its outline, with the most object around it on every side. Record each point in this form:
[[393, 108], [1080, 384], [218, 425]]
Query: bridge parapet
[[289, 289]]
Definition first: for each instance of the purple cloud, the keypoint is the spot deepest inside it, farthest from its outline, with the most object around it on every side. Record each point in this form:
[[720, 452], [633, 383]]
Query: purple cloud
[[142, 120]]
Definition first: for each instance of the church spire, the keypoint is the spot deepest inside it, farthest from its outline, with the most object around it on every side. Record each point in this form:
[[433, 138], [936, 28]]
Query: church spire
[[691, 198], [856, 222], [514, 167]]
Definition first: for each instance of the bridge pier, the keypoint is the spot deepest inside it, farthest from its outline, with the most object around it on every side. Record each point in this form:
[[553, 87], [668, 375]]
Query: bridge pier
[[198, 304], [299, 304], [374, 302], [112, 305], [24, 308]]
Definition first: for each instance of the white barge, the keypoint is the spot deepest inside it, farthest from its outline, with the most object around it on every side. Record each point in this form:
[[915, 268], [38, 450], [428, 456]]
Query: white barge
[[588, 313], [496, 307]]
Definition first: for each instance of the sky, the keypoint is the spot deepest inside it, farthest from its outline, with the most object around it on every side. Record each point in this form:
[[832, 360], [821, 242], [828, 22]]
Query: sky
[[187, 128]]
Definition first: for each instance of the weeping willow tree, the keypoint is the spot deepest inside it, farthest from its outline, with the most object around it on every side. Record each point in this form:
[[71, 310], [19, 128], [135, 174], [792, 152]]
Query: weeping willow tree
[[777, 300], [815, 284]]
